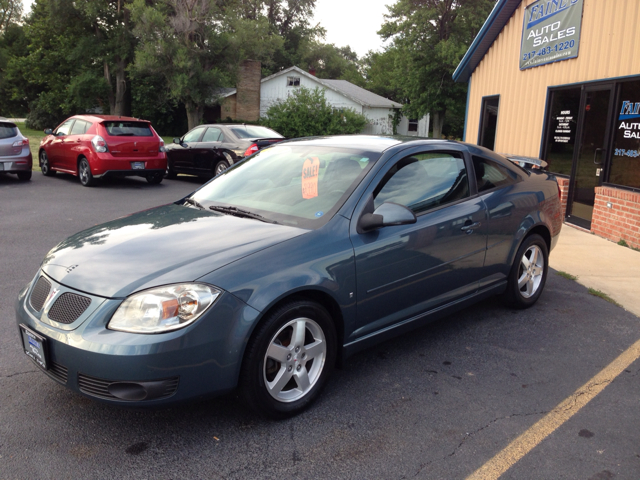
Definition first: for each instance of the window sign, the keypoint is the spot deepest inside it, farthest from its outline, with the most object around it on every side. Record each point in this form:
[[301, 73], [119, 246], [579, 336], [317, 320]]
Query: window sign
[[625, 167], [551, 32]]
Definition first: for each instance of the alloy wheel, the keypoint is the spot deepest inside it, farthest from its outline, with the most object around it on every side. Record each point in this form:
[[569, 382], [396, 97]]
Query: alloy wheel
[[531, 271], [294, 360]]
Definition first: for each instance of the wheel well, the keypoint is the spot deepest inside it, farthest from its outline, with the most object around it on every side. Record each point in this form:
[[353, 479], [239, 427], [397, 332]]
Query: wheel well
[[543, 232], [324, 299]]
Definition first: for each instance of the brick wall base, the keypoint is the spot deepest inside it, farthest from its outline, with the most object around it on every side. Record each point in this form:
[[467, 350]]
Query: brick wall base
[[621, 221], [563, 184]]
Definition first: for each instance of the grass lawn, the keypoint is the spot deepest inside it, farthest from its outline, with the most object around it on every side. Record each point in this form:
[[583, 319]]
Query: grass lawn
[[34, 137]]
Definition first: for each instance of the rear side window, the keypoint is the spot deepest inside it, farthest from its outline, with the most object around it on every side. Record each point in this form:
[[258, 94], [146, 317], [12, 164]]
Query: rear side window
[[254, 131], [128, 129], [79, 127], [7, 130], [490, 174], [425, 181]]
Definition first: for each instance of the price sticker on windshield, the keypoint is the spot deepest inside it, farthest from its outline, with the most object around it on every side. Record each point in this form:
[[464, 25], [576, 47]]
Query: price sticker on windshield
[[310, 172]]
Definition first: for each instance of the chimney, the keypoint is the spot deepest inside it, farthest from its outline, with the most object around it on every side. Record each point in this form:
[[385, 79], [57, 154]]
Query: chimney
[[248, 91], [312, 71]]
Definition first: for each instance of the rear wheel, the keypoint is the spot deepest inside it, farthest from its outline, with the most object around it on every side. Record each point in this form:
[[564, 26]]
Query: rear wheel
[[528, 273], [289, 359], [84, 173], [45, 165], [221, 166], [155, 178], [24, 176], [170, 173]]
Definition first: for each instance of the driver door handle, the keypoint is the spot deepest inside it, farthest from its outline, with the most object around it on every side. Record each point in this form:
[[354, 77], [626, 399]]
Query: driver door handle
[[469, 228]]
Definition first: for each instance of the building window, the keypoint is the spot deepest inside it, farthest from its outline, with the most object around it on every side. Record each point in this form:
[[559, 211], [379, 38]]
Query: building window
[[562, 126], [625, 159], [293, 81], [413, 125], [488, 122]]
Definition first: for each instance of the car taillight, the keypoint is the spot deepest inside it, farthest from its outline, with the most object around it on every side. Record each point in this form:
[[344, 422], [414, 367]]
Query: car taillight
[[162, 147], [251, 150], [21, 143], [99, 145]]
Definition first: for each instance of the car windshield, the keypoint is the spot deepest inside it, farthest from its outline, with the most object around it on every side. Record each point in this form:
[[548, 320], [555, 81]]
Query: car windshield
[[128, 129], [254, 131], [8, 130], [302, 186]]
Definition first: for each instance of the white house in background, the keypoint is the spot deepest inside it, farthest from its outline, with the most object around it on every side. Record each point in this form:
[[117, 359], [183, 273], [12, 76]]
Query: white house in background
[[339, 94]]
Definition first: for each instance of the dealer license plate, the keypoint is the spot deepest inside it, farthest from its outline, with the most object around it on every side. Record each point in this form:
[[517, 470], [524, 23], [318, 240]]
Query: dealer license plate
[[35, 346], [137, 165]]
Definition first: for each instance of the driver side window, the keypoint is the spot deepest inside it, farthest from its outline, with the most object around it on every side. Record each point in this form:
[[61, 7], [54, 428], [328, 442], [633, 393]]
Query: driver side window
[[64, 128], [194, 135], [424, 181]]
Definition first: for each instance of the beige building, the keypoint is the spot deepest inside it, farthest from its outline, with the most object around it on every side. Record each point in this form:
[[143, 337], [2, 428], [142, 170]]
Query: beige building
[[560, 80]]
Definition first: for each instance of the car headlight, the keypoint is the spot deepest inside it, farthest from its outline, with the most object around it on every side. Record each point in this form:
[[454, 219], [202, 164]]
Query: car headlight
[[163, 309]]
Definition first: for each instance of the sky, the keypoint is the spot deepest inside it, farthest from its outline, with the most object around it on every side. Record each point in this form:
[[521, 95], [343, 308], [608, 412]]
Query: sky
[[347, 22]]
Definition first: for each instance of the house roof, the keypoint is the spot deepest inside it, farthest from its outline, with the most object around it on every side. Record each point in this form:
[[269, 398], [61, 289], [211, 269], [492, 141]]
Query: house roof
[[344, 88], [498, 18]]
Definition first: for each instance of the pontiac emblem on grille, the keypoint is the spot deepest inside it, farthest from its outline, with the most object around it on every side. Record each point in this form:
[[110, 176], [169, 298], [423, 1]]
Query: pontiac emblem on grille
[[49, 300]]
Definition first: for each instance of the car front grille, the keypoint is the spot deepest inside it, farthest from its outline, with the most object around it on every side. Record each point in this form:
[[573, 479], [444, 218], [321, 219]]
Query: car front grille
[[98, 387], [40, 293], [58, 372], [68, 308]]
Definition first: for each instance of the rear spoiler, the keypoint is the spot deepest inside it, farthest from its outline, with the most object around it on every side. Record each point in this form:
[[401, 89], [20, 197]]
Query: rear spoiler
[[527, 162]]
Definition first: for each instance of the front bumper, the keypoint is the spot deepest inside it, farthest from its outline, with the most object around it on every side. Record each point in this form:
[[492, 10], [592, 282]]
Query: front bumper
[[17, 163], [200, 360]]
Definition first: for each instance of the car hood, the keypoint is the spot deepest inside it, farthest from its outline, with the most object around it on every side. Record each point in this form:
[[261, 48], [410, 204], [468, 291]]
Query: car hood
[[160, 246]]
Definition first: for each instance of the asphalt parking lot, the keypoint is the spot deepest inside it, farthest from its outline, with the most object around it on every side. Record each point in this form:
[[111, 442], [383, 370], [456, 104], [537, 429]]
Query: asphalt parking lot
[[438, 403]]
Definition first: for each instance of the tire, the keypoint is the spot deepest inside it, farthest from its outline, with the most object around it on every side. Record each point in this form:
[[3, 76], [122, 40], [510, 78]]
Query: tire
[[280, 378], [528, 273], [221, 166], [155, 178], [45, 165], [84, 173], [24, 176], [170, 173]]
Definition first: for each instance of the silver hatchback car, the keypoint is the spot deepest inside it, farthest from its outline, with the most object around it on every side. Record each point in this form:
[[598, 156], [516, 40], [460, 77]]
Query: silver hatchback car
[[15, 155]]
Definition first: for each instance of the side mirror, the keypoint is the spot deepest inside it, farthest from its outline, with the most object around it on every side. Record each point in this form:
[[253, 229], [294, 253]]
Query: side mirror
[[386, 215], [177, 141], [48, 131]]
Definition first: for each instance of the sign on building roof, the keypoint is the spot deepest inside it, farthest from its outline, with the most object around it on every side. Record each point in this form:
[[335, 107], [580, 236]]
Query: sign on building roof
[[551, 32]]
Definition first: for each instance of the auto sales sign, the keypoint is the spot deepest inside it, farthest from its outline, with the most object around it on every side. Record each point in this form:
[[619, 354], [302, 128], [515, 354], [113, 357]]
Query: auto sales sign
[[551, 32]]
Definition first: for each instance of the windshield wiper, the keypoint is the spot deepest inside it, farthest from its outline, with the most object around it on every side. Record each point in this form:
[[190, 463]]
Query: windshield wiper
[[193, 202], [238, 212]]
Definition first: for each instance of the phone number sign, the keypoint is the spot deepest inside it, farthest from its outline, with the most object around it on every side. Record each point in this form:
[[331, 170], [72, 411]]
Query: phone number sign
[[551, 32]]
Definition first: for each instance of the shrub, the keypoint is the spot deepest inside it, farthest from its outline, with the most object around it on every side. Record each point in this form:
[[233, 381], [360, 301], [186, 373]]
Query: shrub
[[306, 113]]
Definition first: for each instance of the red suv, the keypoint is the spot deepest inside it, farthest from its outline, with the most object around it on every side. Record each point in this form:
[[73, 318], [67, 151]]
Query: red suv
[[98, 146]]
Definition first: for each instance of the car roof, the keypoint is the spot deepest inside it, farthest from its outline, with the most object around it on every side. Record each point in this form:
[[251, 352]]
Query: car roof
[[100, 118], [376, 143]]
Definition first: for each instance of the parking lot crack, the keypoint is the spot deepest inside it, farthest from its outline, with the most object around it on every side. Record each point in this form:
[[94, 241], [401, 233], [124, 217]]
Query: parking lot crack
[[18, 373]]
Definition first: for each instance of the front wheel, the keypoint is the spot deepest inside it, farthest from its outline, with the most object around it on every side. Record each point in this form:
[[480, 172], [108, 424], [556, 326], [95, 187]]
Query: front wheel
[[528, 273], [155, 178], [289, 359], [84, 173], [45, 165], [170, 172]]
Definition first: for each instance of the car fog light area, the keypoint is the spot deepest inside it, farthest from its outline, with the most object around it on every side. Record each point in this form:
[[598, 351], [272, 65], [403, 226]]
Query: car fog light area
[[163, 309]]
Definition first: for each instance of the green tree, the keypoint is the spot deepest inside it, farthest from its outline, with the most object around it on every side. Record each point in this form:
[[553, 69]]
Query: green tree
[[432, 36], [306, 113], [195, 46], [10, 12]]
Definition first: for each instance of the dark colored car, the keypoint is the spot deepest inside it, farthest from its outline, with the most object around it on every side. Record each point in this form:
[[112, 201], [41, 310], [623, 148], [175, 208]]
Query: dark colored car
[[282, 265], [15, 155], [100, 146], [208, 150]]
